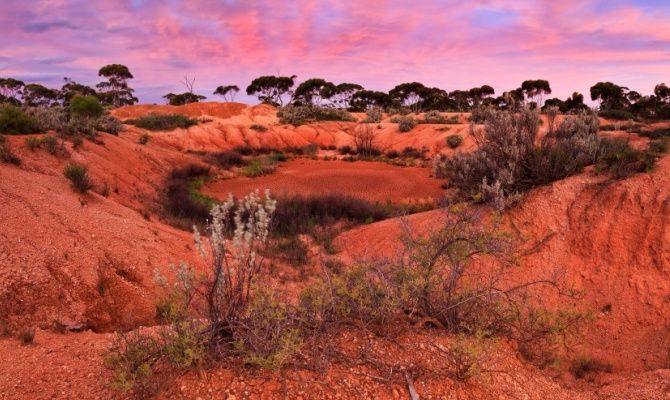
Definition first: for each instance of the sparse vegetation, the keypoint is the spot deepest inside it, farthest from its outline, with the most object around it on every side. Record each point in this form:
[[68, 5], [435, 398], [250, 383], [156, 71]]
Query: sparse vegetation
[[163, 122], [454, 141], [299, 115], [6, 154], [77, 174], [406, 123], [509, 161], [373, 115], [182, 202], [226, 159], [258, 127], [143, 139], [14, 121]]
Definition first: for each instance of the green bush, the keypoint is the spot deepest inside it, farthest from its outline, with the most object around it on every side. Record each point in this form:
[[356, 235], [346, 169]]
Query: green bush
[[454, 141], [298, 115], [86, 106], [406, 124], [163, 122], [617, 157], [259, 167], [77, 174], [14, 121], [50, 144]]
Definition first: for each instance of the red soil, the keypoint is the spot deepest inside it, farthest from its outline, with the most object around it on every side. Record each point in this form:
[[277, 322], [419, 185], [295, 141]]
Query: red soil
[[87, 259], [374, 181]]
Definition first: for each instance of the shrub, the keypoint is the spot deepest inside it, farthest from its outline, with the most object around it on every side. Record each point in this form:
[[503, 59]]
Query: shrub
[[392, 154], [298, 115], [226, 159], [480, 115], [27, 335], [374, 115], [143, 139], [583, 366], [406, 124], [163, 122], [131, 359], [434, 117], [50, 144], [620, 115], [259, 167], [656, 133], [411, 152], [182, 200], [278, 157], [6, 154], [345, 150], [14, 121], [77, 174], [509, 161], [268, 338], [48, 118], [33, 143], [365, 140], [293, 251], [258, 128], [454, 141], [86, 106], [621, 160], [108, 124], [298, 214]]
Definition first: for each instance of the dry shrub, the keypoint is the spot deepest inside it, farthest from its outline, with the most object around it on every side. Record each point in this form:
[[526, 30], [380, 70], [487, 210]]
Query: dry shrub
[[434, 117], [77, 174], [373, 115], [454, 141], [510, 160], [226, 159], [365, 140], [406, 123], [163, 122]]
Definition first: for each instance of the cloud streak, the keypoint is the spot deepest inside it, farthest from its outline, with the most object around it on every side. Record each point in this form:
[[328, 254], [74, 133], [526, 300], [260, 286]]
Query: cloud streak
[[377, 43]]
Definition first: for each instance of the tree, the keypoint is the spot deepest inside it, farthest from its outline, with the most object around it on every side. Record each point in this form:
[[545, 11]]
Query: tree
[[115, 90], [363, 100], [72, 88], [460, 99], [227, 92], [478, 94], [11, 90], [269, 89], [343, 93], [313, 91], [535, 89], [36, 95], [365, 139], [610, 95], [662, 92], [410, 94], [183, 98], [437, 99], [86, 106]]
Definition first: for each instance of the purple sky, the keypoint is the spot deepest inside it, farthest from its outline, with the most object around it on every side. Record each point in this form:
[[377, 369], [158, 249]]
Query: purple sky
[[449, 44]]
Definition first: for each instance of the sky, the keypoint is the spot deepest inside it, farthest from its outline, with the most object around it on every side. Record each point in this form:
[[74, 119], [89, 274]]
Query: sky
[[376, 43]]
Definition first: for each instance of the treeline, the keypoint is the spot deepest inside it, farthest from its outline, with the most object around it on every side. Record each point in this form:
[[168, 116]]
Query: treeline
[[614, 101]]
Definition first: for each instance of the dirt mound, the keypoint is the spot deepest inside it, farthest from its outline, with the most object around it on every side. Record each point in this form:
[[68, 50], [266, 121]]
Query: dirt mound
[[612, 238], [374, 181], [84, 259]]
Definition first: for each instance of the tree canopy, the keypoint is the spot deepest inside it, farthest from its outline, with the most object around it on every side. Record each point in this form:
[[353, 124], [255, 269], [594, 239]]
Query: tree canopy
[[115, 90], [228, 92], [269, 89]]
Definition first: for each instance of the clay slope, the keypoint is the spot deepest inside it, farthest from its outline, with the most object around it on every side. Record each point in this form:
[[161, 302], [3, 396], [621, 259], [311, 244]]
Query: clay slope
[[612, 239], [85, 259]]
